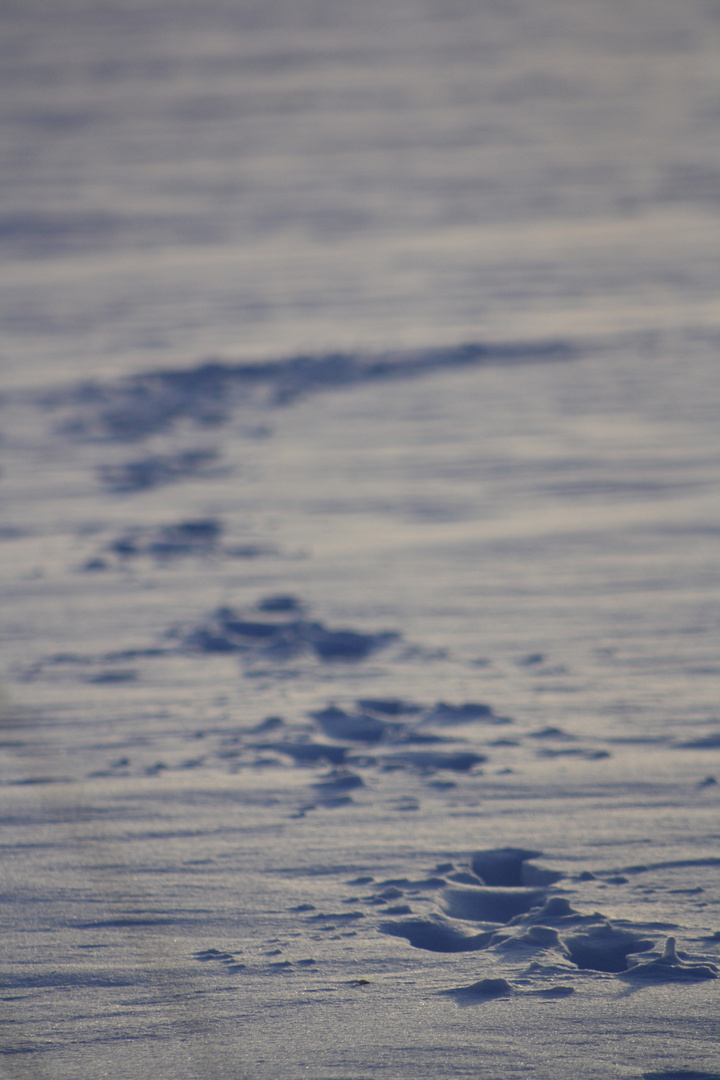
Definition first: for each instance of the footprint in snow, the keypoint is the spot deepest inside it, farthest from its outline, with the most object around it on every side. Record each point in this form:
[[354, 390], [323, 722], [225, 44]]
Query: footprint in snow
[[670, 968]]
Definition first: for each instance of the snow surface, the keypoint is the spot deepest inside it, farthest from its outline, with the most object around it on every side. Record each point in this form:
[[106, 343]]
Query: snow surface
[[358, 552]]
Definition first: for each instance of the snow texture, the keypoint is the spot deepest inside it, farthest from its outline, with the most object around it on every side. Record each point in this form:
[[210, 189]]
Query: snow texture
[[358, 552]]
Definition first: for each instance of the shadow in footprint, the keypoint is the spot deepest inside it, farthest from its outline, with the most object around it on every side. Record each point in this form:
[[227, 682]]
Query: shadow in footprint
[[488, 904], [509, 867], [436, 935]]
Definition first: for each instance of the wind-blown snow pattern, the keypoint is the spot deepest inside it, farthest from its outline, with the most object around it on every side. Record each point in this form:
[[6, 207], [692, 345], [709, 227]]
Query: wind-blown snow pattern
[[358, 552]]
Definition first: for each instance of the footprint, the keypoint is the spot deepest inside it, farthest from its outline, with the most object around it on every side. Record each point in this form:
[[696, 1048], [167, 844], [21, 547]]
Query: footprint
[[511, 867], [491, 904], [605, 948], [670, 968], [437, 935]]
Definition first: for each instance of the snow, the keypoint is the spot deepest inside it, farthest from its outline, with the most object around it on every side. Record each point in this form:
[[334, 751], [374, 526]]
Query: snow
[[358, 555]]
